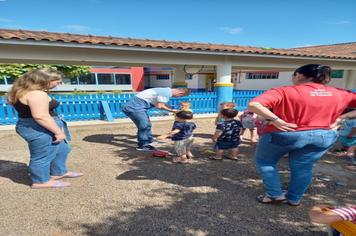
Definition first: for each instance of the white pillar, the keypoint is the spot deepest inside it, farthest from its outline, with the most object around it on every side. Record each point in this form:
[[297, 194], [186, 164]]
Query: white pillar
[[179, 77], [223, 86], [350, 79], [223, 73]]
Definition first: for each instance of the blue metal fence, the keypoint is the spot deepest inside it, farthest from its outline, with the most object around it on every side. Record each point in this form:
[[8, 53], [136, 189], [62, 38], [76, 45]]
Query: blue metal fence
[[242, 97], [90, 107]]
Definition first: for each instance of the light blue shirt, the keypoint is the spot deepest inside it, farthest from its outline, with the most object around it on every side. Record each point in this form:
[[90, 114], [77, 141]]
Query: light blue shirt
[[147, 99], [156, 95]]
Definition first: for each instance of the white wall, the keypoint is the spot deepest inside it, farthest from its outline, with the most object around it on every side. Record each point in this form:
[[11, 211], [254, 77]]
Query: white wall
[[154, 82], [194, 82], [284, 79], [198, 81], [242, 83]]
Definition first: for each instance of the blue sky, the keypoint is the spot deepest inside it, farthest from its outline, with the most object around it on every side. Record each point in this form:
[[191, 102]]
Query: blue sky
[[265, 23]]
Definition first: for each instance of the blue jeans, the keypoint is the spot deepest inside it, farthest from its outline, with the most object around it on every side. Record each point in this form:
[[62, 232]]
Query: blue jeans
[[46, 158], [304, 148], [143, 124]]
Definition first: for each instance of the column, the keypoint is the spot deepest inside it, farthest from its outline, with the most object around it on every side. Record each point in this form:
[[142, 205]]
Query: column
[[223, 86], [350, 79], [179, 78]]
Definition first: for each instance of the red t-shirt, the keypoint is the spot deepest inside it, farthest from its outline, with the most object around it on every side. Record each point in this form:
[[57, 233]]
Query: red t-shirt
[[308, 105]]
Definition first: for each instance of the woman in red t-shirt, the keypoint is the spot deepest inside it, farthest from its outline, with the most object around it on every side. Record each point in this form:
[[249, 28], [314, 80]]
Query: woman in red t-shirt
[[299, 118]]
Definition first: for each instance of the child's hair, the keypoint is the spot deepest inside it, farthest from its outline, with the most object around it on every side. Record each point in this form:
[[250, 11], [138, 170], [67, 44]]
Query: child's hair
[[228, 104], [230, 113], [185, 115], [185, 103], [248, 112], [318, 73]]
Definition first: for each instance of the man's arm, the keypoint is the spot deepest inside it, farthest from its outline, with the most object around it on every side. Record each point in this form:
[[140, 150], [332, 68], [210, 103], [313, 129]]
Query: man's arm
[[163, 106], [170, 134]]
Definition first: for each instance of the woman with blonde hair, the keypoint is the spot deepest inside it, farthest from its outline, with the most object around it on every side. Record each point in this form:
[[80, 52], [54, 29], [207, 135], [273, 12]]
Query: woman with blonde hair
[[39, 125]]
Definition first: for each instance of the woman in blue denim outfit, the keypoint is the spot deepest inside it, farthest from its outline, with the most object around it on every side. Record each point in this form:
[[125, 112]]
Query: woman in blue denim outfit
[[39, 125], [300, 119]]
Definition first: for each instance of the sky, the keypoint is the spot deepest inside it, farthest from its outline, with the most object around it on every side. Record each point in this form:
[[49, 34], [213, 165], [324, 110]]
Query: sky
[[261, 23]]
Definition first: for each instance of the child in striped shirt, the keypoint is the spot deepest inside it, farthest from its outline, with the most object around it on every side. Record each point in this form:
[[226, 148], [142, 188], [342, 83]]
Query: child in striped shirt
[[336, 217]]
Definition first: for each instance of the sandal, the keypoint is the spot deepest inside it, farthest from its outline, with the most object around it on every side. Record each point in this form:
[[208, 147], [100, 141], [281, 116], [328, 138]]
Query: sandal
[[68, 175], [215, 159], [232, 158], [54, 184], [295, 204], [182, 160], [265, 199]]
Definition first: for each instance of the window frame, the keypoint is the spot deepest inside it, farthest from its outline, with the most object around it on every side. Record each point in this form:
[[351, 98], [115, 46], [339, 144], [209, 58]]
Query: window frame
[[262, 75]]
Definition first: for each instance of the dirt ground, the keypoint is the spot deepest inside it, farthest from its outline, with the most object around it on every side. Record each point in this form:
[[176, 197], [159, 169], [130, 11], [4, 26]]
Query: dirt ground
[[126, 192]]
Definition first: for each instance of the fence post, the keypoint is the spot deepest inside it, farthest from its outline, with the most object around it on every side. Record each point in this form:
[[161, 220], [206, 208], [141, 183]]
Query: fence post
[[106, 112]]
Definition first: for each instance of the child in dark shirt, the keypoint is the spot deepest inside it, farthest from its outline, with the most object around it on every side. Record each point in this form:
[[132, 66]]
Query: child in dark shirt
[[182, 135], [227, 135]]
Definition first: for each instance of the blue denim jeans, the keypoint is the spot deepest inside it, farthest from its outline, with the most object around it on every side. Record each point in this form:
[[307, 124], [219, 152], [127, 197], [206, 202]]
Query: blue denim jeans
[[46, 158], [143, 124], [304, 148]]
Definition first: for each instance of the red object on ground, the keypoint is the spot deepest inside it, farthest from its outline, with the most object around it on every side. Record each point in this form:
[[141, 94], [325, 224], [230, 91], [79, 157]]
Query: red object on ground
[[159, 153]]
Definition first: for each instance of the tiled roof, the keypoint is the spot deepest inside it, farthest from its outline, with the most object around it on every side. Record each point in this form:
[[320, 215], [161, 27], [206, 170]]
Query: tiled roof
[[346, 49], [162, 44]]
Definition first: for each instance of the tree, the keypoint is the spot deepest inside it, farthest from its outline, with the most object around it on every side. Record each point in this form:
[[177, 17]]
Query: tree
[[15, 70]]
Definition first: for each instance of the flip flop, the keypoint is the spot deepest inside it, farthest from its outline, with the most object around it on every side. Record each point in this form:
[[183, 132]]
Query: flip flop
[[215, 159], [55, 184], [69, 175], [265, 199], [232, 158], [294, 204], [209, 152], [73, 175], [183, 161]]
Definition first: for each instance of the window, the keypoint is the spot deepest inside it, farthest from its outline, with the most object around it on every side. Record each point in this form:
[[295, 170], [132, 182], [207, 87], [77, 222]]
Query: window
[[72, 80], [2, 80], [262, 75], [188, 77], [163, 77], [337, 74], [87, 79], [10, 80], [105, 78], [122, 78]]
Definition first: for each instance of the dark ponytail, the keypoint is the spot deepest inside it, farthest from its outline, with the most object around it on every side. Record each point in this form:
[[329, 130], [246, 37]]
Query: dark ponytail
[[318, 73]]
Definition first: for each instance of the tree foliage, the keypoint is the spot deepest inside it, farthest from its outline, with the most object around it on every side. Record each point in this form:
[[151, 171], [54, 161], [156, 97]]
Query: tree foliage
[[15, 70]]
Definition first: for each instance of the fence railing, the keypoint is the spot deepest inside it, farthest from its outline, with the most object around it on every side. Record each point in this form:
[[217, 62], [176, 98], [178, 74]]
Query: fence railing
[[98, 106], [92, 106], [242, 97]]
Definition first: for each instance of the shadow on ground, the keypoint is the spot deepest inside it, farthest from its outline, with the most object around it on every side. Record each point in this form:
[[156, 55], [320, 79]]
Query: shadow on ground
[[209, 197], [15, 171]]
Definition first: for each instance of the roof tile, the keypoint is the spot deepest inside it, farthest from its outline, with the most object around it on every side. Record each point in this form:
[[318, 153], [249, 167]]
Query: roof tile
[[336, 51]]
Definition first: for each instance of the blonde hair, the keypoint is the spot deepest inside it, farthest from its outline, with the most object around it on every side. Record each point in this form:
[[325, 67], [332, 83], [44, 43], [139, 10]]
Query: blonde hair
[[37, 79], [185, 103], [228, 104]]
